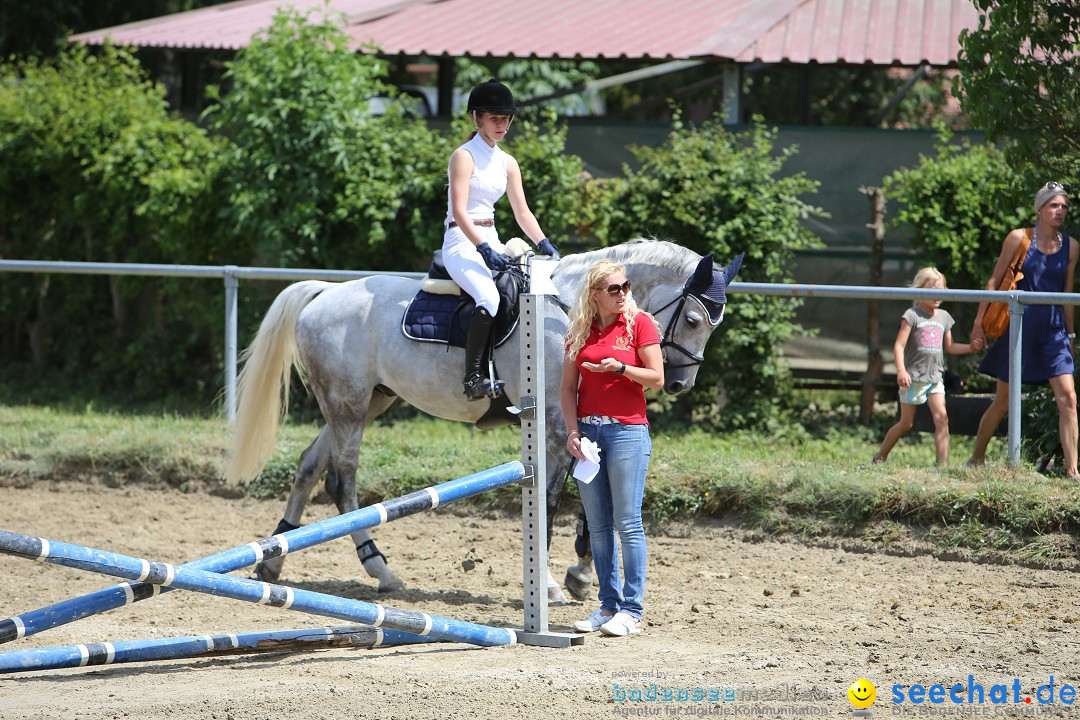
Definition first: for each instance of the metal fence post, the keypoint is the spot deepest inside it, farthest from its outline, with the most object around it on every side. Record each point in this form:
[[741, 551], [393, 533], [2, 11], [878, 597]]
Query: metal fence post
[[231, 285], [1016, 330]]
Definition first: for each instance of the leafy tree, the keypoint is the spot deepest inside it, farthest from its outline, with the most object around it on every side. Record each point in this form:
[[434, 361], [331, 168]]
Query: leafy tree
[[1020, 76], [94, 168], [957, 205], [725, 193], [317, 178], [552, 179]]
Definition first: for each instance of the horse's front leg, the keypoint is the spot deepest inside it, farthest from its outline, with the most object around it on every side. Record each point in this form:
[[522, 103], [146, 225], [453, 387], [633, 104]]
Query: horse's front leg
[[313, 463], [580, 578], [343, 469]]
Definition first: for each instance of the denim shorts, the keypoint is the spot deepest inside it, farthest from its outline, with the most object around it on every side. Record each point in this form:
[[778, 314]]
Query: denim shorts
[[917, 392]]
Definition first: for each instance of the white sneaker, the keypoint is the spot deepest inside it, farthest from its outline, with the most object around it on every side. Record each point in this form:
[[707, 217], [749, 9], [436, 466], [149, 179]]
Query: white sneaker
[[621, 625], [594, 621]]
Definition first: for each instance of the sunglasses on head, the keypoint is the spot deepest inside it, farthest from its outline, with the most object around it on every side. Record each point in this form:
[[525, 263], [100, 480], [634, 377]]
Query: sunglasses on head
[[1058, 186], [614, 290]]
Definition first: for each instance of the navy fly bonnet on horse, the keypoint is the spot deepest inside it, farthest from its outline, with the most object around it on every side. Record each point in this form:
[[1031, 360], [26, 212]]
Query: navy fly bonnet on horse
[[709, 285]]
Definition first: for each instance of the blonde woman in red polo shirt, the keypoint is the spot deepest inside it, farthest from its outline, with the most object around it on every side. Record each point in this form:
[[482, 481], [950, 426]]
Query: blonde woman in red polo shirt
[[612, 355]]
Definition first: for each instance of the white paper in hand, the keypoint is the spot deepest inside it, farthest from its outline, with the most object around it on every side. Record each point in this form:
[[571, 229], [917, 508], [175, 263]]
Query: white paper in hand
[[586, 469]]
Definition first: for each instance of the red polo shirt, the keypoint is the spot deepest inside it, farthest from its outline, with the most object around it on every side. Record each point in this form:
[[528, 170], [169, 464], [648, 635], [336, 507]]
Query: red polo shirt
[[605, 393]]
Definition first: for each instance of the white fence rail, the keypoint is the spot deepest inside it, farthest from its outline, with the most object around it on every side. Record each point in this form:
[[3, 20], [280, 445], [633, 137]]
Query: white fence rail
[[232, 274]]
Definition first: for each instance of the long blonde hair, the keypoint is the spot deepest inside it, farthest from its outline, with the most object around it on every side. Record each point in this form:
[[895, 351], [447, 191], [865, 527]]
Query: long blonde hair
[[584, 311]]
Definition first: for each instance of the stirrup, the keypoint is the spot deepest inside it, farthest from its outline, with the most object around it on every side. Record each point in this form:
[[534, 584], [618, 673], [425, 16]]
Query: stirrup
[[478, 387]]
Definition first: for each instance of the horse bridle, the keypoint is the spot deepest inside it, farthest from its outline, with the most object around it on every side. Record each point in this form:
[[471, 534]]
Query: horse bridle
[[668, 339]]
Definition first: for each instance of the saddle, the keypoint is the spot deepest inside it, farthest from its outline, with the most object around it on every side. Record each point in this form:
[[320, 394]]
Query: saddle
[[440, 312]]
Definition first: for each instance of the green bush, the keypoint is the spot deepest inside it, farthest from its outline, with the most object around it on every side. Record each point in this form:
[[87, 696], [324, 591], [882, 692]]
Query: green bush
[[93, 167], [958, 205], [1017, 81], [552, 178], [715, 191]]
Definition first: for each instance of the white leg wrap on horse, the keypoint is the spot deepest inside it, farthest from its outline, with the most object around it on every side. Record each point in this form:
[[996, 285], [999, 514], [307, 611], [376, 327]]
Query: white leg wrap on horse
[[555, 593]]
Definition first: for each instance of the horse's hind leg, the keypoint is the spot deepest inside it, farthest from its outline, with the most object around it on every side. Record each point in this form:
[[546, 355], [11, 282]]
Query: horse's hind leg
[[313, 463]]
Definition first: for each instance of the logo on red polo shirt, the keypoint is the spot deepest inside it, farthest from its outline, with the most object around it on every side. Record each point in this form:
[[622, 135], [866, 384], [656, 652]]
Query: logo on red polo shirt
[[622, 343]]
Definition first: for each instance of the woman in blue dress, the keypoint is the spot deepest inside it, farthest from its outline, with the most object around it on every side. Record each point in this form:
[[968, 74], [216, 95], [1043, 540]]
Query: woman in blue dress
[[1049, 336]]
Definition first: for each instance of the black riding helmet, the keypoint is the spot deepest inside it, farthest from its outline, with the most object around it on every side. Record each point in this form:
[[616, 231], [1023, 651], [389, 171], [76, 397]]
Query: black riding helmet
[[492, 97]]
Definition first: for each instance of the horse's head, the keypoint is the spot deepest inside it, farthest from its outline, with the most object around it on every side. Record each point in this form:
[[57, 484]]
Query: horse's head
[[689, 320]]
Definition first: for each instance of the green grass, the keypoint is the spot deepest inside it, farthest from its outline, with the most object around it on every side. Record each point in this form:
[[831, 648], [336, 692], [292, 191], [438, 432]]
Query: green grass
[[809, 482]]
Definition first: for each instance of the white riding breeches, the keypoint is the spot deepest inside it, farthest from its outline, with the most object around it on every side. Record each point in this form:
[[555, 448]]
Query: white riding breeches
[[467, 268]]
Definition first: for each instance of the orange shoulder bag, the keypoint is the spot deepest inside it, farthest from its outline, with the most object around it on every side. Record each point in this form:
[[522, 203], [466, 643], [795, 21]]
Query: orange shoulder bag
[[996, 318]]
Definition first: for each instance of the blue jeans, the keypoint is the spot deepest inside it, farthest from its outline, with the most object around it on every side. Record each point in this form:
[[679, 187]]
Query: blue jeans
[[613, 503]]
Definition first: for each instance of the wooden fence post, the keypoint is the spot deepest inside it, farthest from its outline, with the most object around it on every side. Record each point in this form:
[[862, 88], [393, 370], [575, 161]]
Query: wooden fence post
[[874, 362]]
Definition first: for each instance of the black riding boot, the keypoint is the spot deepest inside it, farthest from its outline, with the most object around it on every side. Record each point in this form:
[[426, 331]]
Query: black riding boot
[[476, 344]]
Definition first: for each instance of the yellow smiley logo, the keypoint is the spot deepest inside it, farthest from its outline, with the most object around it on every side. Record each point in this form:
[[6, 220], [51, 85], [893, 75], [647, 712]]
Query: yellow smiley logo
[[862, 694]]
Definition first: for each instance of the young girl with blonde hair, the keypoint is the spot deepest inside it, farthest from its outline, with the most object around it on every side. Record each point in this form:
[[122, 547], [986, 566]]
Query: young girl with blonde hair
[[925, 330]]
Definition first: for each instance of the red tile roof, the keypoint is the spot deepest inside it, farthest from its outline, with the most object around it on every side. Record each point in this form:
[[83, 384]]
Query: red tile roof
[[883, 32]]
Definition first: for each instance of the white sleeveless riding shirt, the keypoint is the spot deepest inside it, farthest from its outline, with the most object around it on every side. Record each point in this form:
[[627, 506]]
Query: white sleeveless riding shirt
[[487, 183]]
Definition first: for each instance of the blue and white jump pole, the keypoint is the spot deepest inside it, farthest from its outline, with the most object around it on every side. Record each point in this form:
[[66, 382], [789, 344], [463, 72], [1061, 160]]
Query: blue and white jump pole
[[254, 591], [279, 545], [197, 646]]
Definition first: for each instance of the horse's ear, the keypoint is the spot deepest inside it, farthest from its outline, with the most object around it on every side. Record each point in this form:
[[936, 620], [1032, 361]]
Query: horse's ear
[[733, 268], [702, 277]]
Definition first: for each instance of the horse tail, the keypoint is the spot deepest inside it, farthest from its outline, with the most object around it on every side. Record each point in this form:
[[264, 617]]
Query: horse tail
[[263, 384]]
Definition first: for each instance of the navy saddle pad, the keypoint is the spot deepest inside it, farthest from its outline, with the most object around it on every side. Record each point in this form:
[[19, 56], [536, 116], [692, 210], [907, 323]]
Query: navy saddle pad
[[445, 318]]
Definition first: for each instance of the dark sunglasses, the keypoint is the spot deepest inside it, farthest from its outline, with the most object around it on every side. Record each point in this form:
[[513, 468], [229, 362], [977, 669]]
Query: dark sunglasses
[[614, 290], [1058, 186]]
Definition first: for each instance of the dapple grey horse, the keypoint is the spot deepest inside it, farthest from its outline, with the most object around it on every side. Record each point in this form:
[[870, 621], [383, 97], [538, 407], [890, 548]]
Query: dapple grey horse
[[345, 339]]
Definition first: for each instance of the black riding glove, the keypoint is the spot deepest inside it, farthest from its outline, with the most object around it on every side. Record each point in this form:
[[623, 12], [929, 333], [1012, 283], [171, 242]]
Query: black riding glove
[[546, 247], [496, 262]]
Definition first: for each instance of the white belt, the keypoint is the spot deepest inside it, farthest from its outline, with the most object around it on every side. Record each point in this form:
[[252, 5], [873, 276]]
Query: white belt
[[598, 420]]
